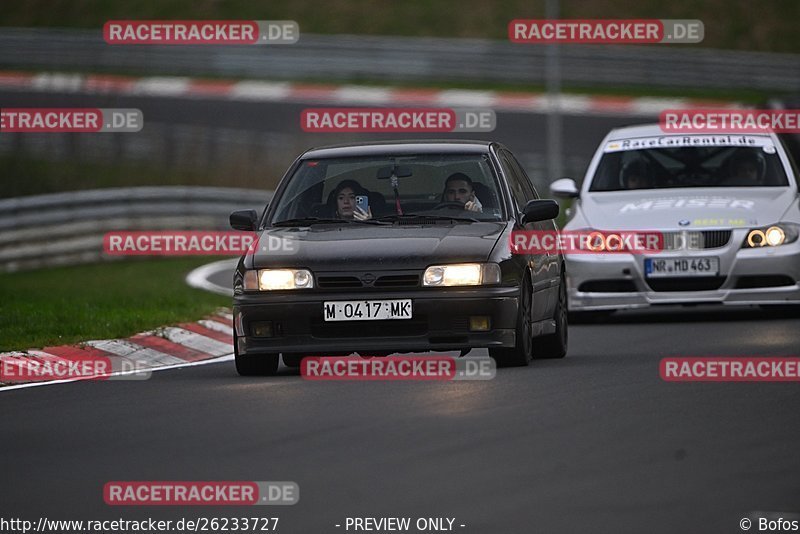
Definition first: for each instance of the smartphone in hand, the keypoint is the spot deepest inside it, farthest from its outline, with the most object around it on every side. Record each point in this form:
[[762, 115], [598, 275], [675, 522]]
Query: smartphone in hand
[[362, 201]]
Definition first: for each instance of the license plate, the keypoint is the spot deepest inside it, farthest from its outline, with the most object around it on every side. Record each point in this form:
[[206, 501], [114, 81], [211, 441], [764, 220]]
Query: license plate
[[367, 310], [676, 267]]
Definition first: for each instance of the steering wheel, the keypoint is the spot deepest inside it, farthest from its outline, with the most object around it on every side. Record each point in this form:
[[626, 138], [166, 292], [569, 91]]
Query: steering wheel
[[453, 205]]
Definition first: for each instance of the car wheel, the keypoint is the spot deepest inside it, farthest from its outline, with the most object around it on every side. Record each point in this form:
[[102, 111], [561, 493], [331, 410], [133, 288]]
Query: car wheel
[[292, 360], [555, 345], [254, 364], [520, 355], [588, 317]]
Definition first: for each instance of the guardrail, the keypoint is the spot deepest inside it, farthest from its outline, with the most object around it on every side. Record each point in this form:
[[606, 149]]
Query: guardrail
[[408, 59], [68, 228]]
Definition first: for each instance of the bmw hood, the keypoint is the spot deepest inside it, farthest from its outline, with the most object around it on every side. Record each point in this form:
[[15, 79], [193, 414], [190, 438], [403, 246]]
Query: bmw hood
[[682, 208], [357, 246]]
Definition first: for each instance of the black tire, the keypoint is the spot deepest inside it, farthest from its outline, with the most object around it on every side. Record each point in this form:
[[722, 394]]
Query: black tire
[[292, 359], [588, 317], [254, 364], [520, 355], [554, 345]]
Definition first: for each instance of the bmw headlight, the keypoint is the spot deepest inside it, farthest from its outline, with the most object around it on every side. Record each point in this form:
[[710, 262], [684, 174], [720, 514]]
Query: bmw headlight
[[461, 274], [771, 236], [276, 279]]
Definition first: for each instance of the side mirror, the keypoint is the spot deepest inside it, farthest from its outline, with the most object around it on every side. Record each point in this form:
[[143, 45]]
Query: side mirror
[[539, 210], [565, 188], [244, 220]]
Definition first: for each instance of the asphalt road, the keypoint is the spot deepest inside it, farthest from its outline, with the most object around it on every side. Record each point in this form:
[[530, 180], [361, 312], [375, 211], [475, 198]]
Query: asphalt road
[[596, 442]]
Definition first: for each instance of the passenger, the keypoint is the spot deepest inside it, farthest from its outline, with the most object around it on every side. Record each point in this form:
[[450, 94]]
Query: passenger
[[747, 168], [459, 188], [345, 198], [636, 175]]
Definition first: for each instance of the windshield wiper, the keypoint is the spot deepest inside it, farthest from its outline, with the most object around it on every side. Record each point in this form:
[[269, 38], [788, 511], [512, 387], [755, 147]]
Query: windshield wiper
[[308, 221], [412, 216]]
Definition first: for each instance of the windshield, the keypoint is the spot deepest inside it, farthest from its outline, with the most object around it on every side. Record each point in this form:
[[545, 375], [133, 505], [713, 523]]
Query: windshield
[[393, 186], [696, 166]]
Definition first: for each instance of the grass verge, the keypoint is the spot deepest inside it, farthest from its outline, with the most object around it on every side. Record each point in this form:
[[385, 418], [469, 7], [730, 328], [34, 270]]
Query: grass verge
[[99, 301]]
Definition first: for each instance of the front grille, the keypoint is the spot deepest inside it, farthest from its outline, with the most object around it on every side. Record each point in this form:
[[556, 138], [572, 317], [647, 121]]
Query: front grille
[[358, 329], [399, 280], [754, 281], [607, 286], [696, 240], [338, 282], [418, 222], [700, 283], [716, 238], [368, 279], [459, 324]]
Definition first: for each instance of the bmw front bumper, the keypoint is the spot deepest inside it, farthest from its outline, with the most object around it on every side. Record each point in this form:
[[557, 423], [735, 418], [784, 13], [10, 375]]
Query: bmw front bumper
[[767, 275]]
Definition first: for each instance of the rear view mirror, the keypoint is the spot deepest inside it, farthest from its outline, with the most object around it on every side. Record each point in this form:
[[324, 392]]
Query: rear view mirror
[[244, 220], [564, 188], [539, 210], [401, 171]]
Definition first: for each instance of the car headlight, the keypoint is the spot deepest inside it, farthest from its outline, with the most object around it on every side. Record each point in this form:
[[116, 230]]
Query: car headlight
[[461, 274], [771, 236], [275, 279]]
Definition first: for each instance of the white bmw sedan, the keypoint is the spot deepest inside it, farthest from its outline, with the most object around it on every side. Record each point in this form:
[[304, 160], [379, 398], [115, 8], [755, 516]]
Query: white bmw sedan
[[726, 208]]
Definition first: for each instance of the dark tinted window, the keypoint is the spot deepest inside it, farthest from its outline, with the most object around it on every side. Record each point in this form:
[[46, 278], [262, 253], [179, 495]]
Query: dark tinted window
[[309, 192], [526, 181], [515, 181], [706, 166]]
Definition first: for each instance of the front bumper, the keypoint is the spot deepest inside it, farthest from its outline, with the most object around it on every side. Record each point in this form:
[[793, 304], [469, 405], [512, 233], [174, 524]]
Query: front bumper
[[440, 321], [747, 276]]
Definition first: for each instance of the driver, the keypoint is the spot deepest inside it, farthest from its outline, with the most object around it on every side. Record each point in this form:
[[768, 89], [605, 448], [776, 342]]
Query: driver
[[458, 188], [636, 175], [747, 168]]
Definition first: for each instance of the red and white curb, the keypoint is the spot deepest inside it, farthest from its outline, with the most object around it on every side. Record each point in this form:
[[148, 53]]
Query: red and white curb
[[209, 340], [200, 277], [265, 91]]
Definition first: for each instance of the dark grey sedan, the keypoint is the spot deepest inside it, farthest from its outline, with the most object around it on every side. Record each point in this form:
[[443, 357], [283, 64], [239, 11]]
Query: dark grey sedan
[[399, 247]]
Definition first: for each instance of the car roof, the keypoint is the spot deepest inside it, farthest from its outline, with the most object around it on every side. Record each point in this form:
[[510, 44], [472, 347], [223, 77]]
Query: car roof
[[398, 148], [652, 130]]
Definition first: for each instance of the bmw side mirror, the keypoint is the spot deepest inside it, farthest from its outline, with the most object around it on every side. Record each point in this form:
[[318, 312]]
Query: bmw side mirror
[[565, 188], [539, 210], [244, 220]]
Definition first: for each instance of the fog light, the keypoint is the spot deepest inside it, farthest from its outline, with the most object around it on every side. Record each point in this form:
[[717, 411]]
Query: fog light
[[479, 323], [262, 329]]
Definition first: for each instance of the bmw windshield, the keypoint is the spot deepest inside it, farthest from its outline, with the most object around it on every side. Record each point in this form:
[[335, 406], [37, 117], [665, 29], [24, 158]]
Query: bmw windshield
[[630, 164]]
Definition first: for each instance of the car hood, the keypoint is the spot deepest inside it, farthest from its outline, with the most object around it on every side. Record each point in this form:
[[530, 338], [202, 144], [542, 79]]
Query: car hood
[[682, 208], [357, 247]]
